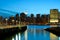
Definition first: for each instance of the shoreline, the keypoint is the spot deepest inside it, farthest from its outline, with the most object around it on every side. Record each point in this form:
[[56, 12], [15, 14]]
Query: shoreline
[[54, 30], [11, 31]]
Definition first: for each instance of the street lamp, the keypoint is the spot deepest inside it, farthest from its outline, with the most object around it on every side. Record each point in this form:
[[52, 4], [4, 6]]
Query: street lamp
[[19, 21], [26, 12], [6, 20], [13, 21], [16, 21]]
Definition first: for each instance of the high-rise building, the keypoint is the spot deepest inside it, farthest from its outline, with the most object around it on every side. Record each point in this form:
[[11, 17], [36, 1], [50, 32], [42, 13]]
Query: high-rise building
[[28, 20], [32, 19], [22, 17], [17, 16], [17, 19], [44, 18], [38, 18], [59, 17], [54, 16], [1, 19], [38, 15], [32, 15], [11, 20]]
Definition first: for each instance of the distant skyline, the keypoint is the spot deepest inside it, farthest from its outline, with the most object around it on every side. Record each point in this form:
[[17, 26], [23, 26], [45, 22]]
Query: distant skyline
[[31, 6]]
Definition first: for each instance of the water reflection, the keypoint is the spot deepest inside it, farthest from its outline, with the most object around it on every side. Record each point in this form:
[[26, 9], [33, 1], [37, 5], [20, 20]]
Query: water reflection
[[18, 36], [59, 38], [53, 37], [36, 33], [54, 25], [41, 34], [25, 35]]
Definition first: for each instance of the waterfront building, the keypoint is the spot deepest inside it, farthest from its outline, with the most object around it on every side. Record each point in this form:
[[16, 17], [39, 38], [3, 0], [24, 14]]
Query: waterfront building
[[23, 18], [44, 18], [11, 20], [32, 15], [28, 20], [1, 20], [54, 16], [5, 21], [17, 19], [38, 19], [59, 17], [32, 19], [48, 18]]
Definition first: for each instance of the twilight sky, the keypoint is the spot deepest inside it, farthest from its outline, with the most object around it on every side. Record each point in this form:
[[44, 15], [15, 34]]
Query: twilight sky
[[31, 6]]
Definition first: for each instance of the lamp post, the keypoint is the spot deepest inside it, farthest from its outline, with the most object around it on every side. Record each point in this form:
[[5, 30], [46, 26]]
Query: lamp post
[[26, 12], [6, 20], [19, 21], [16, 22], [13, 21]]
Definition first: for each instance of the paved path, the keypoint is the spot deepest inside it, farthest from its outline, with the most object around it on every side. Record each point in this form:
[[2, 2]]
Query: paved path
[[10, 26]]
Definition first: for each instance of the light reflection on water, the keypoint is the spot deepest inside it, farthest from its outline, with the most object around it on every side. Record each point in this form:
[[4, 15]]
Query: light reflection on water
[[53, 37], [38, 35], [35, 32]]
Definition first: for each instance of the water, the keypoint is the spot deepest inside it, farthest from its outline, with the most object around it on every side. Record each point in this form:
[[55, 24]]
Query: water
[[35, 32]]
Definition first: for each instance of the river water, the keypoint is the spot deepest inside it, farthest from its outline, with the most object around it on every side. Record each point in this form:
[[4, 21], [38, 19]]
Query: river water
[[35, 32]]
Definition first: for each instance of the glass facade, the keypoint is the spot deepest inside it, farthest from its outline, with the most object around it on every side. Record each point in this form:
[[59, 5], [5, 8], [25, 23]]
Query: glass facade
[[54, 15]]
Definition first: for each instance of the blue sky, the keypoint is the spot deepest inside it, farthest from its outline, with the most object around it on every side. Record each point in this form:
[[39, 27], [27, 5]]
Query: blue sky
[[32, 6]]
